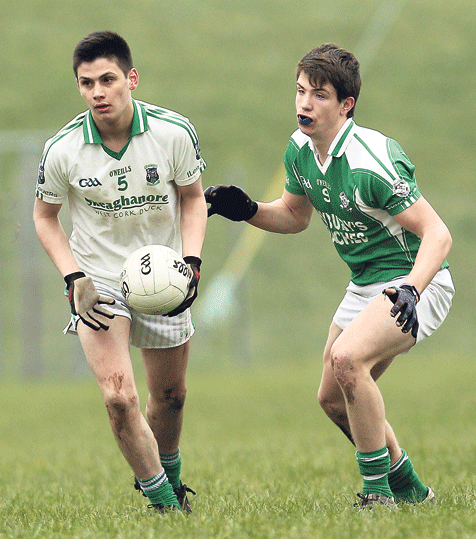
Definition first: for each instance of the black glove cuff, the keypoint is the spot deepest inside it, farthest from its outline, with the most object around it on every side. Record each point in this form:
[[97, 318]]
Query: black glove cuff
[[193, 260], [413, 290], [68, 279], [253, 210]]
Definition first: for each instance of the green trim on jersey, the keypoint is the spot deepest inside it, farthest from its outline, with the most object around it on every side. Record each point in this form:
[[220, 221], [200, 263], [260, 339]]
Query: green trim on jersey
[[365, 181], [75, 123], [92, 136], [118, 206], [172, 117]]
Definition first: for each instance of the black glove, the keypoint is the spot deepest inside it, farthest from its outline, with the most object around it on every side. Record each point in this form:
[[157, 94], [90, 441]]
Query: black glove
[[86, 302], [193, 264], [404, 301], [230, 202]]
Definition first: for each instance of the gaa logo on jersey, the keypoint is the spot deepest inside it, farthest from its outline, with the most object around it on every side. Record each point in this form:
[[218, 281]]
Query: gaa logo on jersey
[[152, 176], [401, 189], [89, 182]]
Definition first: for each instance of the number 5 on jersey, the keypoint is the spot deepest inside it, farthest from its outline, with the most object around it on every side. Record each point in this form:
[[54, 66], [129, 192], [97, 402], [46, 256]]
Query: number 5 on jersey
[[122, 183]]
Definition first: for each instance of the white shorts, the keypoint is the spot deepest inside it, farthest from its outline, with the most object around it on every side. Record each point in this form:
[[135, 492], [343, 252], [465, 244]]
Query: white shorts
[[432, 308], [147, 331]]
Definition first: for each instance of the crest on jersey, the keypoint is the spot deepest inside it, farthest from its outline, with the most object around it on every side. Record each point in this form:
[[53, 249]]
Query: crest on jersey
[[344, 202], [152, 176], [401, 189], [41, 175]]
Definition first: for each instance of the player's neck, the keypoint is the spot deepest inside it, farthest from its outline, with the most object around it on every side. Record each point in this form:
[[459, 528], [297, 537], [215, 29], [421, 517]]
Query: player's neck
[[116, 133], [323, 141], [115, 142], [321, 147]]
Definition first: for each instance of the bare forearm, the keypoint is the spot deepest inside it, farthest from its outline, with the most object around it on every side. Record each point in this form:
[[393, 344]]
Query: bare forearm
[[433, 250], [193, 225], [56, 244], [279, 217], [421, 219]]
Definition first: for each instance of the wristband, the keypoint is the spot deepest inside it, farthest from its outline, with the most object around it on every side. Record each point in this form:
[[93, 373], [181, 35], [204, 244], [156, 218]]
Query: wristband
[[193, 260], [68, 279], [413, 289]]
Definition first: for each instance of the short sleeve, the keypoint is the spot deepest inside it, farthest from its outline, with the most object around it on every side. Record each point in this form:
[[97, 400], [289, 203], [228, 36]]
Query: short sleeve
[[293, 184], [52, 184], [188, 161]]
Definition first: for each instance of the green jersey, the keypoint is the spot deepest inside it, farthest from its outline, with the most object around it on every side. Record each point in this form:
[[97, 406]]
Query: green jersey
[[365, 181]]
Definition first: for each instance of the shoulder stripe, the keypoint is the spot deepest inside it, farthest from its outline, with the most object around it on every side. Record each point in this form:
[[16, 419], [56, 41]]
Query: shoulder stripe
[[66, 130], [297, 175], [374, 156], [172, 117]]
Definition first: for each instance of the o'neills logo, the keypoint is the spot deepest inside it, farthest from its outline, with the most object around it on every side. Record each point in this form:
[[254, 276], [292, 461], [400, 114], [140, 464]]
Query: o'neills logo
[[128, 203]]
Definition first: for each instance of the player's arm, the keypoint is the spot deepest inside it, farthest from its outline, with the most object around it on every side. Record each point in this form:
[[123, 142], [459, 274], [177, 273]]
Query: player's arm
[[52, 236], [193, 219], [289, 214], [286, 215], [421, 219], [82, 294], [193, 223]]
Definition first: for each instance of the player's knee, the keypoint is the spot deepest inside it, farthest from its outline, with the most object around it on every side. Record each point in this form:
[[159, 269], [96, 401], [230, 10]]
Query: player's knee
[[121, 407], [343, 365], [328, 403], [323, 398], [173, 398]]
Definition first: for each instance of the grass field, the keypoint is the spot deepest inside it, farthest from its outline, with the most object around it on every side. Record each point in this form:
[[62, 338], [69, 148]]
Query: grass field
[[263, 458]]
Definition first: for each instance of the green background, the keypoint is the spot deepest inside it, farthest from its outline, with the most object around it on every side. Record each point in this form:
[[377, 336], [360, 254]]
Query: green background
[[265, 460]]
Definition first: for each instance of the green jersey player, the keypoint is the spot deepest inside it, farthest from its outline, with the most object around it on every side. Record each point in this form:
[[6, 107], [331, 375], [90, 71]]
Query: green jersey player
[[131, 173], [363, 187]]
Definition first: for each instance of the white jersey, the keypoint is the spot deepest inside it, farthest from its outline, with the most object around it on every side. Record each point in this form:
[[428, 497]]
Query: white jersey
[[120, 201]]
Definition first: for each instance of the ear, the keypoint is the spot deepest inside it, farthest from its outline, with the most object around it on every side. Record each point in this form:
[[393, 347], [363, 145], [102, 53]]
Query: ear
[[347, 104], [133, 77]]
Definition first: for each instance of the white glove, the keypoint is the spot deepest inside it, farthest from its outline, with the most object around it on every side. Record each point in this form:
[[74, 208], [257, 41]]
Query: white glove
[[86, 302]]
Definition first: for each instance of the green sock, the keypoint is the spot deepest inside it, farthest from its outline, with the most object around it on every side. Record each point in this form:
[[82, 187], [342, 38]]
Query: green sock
[[404, 481], [374, 467], [159, 490], [172, 465]]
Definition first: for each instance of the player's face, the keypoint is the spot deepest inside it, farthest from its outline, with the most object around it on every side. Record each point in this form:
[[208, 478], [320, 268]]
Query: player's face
[[320, 110], [106, 90]]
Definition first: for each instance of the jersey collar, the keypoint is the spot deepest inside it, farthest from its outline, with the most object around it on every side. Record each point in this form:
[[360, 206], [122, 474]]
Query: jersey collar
[[342, 139], [139, 124]]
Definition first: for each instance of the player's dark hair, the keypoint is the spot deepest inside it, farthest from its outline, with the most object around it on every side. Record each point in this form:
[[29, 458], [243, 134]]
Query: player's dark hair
[[331, 64], [103, 45]]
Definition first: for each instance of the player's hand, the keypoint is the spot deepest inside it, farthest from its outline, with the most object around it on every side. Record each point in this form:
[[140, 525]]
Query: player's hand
[[404, 299], [86, 302], [193, 264], [230, 202]]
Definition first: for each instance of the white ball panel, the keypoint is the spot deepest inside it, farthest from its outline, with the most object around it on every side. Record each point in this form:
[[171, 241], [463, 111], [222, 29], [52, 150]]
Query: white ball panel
[[154, 279]]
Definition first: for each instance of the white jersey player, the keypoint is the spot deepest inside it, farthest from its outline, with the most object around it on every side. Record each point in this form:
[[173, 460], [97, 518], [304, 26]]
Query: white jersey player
[[131, 174]]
